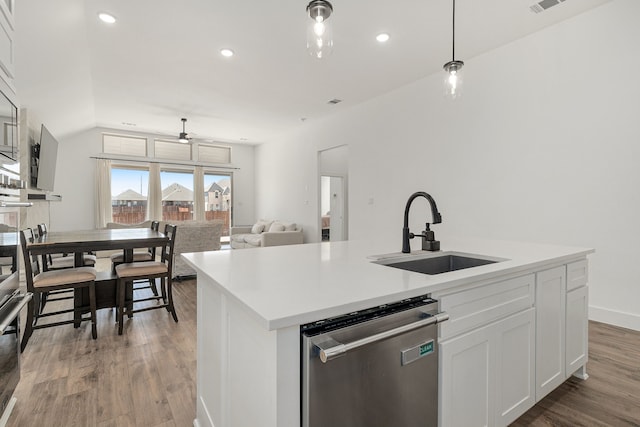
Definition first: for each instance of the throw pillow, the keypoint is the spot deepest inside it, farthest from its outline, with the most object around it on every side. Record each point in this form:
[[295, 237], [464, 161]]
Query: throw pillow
[[266, 223], [290, 226], [257, 228], [276, 226]]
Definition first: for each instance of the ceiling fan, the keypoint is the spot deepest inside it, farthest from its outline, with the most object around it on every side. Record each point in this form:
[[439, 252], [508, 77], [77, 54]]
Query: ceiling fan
[[184, 136]]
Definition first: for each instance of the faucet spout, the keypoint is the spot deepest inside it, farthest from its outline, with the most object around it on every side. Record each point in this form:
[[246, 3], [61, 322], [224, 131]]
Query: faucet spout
[[429, 242]]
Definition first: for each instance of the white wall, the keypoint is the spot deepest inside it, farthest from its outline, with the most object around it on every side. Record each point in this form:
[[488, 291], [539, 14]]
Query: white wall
[[75, 180], [543, 147]]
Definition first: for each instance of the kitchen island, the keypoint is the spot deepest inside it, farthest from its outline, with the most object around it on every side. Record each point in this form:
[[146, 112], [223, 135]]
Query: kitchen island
[[517, 327]]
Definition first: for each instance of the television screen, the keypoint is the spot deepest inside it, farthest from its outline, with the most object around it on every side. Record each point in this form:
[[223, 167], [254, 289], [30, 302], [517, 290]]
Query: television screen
[[47, 160]]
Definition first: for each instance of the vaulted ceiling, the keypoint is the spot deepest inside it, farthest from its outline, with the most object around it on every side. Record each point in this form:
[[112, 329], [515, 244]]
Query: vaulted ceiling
[[161, 60]]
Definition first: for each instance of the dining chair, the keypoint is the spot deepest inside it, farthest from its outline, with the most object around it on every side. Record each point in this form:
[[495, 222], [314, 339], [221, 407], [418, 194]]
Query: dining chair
[[148, 270], [39, 283], [59, 261], [142, 255]]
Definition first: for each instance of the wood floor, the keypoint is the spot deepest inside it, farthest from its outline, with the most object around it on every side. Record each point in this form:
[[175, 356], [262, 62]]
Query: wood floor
[[611, 395], [147, 376]]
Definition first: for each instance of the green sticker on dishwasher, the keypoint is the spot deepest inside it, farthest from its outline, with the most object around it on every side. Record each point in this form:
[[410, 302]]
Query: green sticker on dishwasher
[[426, 348]]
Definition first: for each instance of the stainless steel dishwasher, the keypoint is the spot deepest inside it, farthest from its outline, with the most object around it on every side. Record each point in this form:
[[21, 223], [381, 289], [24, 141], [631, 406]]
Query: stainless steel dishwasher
[[373, 368]]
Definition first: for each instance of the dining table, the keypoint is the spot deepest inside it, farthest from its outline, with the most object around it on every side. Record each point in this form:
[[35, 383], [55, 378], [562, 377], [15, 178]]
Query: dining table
[[80, 242]]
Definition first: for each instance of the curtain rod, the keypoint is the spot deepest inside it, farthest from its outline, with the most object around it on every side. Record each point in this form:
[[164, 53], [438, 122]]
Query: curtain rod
[[145, 160]]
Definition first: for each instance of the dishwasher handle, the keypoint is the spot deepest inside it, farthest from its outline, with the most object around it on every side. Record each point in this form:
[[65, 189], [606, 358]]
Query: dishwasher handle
[[331, 353], [21, 300]]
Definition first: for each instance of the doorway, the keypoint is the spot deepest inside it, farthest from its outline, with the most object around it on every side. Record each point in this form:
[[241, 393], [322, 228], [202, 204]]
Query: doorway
[[333, 215]]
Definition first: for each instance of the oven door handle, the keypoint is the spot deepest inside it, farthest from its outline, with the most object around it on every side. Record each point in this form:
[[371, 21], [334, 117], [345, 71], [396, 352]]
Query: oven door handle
[[25, 298], [4, 204], [331, 353]]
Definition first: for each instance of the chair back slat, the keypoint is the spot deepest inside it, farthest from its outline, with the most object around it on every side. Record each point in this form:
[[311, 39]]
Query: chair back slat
[[155, 226], [31, 265], [167, 248]]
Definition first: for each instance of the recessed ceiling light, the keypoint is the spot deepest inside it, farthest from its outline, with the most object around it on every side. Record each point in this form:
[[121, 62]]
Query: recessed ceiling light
[[226, 52], [382, 37], [105, 17]]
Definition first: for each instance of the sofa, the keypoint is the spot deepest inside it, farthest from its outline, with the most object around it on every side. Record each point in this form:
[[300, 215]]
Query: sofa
[[266, 233], [191, 236]]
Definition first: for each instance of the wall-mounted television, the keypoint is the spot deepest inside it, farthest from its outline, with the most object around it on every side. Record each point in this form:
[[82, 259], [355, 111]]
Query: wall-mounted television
[[46, 160]]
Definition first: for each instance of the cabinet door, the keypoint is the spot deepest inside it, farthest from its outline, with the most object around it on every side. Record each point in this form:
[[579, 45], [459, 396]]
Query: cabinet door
[[515, 369], [466, 398], [550, 329], [577, 337]]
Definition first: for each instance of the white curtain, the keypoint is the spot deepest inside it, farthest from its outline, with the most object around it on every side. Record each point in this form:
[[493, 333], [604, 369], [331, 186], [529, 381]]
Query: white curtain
[[198, 194], [103, 212], [154, 199]]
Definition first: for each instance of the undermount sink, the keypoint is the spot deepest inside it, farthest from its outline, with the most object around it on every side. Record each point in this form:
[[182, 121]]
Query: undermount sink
[[437, 263]]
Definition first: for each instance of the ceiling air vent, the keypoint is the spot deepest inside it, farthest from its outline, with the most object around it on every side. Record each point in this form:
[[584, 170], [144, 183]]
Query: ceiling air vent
[[335, 101], [544, 5]]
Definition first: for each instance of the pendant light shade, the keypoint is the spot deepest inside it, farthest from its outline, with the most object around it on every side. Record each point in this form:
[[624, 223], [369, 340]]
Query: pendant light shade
[[453, 69], [319, 31]]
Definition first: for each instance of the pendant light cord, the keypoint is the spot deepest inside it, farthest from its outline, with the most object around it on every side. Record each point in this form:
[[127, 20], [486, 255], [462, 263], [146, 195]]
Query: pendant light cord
[[453, 32]]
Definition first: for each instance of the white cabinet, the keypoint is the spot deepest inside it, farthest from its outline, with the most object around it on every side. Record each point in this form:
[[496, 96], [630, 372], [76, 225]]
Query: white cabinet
[[577, 323], [551, 293], [515, 369], [509, 343], [466, 380], [487, 374]]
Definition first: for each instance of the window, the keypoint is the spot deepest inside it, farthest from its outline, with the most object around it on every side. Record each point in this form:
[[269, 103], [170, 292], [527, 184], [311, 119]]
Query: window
[[129, 187], [124, 145], [217, 199], [214, 154], [177, 195], [172, 150]]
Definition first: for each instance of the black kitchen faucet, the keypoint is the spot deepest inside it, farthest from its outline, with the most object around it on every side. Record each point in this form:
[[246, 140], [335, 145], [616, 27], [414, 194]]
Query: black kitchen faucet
[[429, 242]]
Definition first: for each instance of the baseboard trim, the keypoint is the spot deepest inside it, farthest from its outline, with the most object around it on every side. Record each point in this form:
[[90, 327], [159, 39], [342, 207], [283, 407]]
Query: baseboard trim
[[613, 317]]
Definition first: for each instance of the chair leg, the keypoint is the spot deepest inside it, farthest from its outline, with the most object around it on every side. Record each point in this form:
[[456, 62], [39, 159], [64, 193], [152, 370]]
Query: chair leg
[[163, 289], [154, 288], [92, 305], [29, 327], [171, 308], [37, 306], [121, 286]]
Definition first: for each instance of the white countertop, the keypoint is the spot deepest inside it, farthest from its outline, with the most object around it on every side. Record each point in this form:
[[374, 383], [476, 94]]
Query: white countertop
[[284, 286]]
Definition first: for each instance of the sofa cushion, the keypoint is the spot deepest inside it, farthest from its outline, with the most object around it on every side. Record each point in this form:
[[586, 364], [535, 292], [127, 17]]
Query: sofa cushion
[[237, 238], [277, 226], [253, 239], [257, 228], [266, 222], [290, 226]]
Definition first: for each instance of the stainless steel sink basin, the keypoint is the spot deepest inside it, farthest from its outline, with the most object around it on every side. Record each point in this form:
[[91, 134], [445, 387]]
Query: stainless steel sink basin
[[438, 263]]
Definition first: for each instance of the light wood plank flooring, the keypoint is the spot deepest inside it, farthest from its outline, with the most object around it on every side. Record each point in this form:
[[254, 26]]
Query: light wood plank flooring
[[147, 376], [611, 395]]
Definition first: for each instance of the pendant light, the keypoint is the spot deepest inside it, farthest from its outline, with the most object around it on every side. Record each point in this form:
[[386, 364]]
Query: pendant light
[[453, 68], [319, 31]]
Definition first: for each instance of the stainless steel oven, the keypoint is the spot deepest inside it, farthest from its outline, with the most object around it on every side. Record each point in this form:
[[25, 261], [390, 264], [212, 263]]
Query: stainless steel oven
[[373, 368], [12, 300]]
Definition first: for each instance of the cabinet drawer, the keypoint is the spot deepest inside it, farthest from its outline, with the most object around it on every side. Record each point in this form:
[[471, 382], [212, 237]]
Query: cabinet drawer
[[478, 306], [577, 274]]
